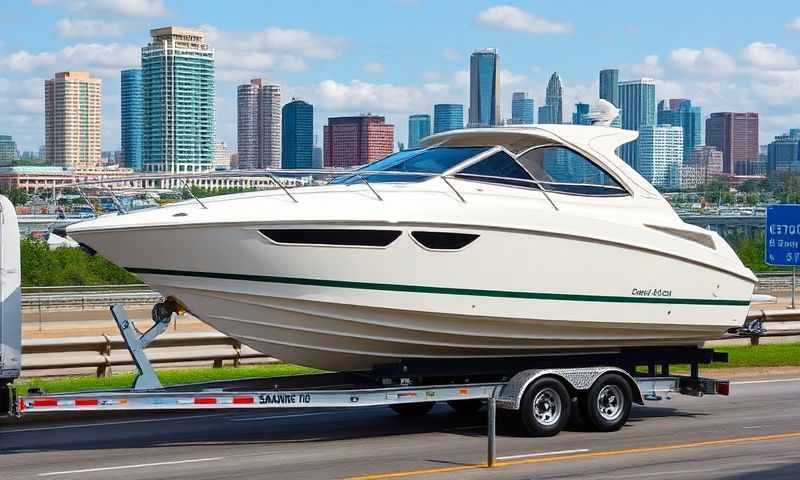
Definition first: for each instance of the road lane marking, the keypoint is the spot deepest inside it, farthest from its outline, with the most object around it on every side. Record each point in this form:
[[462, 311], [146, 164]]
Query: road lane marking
[[752, 426], [278, 417], [103, 424], [543, 454], [774, 380], [125, 467], [581, 456]]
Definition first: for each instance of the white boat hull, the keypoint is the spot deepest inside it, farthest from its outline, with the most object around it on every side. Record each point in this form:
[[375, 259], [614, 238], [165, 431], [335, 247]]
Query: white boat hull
[[499, 297]]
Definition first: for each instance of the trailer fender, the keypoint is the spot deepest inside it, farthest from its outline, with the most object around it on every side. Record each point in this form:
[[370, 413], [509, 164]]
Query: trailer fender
[[579, 379]]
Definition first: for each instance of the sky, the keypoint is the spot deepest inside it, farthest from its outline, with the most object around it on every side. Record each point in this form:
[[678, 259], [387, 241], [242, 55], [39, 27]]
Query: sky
[[399, 57]]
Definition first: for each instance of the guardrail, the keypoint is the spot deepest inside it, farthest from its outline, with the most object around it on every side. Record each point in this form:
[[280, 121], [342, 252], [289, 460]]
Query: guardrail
[[104, 352], [82, 301], [786, 322]]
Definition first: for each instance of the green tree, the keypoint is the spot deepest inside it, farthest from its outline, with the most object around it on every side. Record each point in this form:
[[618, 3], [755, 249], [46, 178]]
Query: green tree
[[42, 267], [17, 196]]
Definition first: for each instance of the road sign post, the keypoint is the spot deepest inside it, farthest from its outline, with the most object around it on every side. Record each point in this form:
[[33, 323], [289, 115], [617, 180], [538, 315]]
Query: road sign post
[[782, 240]]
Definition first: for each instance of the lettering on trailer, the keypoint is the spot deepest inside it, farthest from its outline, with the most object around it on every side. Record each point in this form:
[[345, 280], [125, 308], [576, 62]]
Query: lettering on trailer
[[284, 398], [651, 292], [782, 236]]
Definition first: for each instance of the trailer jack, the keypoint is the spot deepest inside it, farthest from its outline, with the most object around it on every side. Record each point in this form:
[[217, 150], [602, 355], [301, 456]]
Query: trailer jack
[[136, 341]]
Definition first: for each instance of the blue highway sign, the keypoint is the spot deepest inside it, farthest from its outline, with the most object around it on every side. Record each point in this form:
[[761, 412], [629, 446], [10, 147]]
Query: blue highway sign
[[782, 235]]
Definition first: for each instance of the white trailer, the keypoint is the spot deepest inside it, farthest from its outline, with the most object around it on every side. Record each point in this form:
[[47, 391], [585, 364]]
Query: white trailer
[[10, 302]]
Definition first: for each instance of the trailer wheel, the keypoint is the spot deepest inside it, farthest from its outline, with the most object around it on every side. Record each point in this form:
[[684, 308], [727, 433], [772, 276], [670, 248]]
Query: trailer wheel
[[545, 407], [5, 398], [608, 403], [412, 409], [465, 407]]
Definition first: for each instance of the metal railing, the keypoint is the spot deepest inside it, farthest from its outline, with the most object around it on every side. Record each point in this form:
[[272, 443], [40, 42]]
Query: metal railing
[[104, 352]]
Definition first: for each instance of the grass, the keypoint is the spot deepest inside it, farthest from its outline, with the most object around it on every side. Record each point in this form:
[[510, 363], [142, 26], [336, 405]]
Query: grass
[[772, 355], [167, 377]]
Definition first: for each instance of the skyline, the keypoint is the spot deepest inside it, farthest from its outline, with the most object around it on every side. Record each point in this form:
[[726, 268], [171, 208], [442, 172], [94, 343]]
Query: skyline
[[723, 61]]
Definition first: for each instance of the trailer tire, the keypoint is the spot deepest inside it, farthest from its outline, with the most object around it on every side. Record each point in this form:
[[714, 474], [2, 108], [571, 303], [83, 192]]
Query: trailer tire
[[5, 398], [466, 407], [545, 407], [607, 404], [416, 409]]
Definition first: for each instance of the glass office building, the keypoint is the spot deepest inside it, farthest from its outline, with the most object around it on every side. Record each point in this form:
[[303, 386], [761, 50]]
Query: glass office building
[[637, 103], [297, 134], [679, 112], [484, 88], [447, 116], [521, 108], [419, 127], [131, 118]]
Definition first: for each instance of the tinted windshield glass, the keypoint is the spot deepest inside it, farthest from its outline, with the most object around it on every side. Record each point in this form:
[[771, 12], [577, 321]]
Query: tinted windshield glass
[[432, 160]]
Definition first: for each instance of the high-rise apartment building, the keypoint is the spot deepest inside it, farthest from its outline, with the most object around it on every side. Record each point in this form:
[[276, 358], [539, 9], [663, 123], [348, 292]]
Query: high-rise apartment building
[[8, 150], [297, 134], [484, 88], [736, 135], [554, 97], [351, 141], [783, 154], [521, 108], [419, 127], [178, 101], [637, 104], [447, 116], [222, 156], [131, 116], [661, 154], [609, 86], [259, 125], [579, 117], [679, 112], [72, 120]]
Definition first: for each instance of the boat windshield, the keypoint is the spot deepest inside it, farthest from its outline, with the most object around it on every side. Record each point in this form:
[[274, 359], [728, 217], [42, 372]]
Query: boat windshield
[[431, 160]]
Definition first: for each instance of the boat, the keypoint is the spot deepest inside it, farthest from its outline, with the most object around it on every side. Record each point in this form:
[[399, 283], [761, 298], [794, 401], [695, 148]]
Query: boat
[[485, 243]]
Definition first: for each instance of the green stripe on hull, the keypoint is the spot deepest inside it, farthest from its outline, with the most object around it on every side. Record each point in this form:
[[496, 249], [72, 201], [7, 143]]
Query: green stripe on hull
[[391, 287]]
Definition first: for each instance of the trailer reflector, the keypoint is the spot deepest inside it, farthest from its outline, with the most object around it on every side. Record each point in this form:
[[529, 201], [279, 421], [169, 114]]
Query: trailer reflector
[[243, 400], [86, 402], [723, 388], [45, 402], [205, 400]]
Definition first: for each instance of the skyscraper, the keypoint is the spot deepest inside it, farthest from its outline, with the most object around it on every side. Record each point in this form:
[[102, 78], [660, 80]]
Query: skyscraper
[[178, 95], [259, 125], [736, 135], [554, 98], [351, 141], [579, 117], [708, 160], [547, 114], [484, 88], [637, 102], [661, 154], [131, 118], [297, 135], [419, 127], [8, 150], [680, 112], [72, 120], [447, 116], [521, 108], [783, 154], [609, 86]]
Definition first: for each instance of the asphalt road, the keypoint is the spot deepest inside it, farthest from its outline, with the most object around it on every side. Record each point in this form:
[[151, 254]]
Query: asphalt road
[[754, 434]]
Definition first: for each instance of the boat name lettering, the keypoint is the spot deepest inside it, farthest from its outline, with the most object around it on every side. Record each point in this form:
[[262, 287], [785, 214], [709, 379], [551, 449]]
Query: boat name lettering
[[651, 292], [283, 398]]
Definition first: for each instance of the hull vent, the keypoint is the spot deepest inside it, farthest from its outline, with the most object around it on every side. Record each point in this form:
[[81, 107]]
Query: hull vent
[[334, 237], [443, 240]]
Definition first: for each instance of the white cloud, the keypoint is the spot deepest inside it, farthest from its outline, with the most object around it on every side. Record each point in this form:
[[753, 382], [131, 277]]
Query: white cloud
[[508, 17], [508, 78], [373, 67], [649, 67], [125, 8], [793, 24], [289, 40], [451, 55], [706, 61], [769, 56], [97, 59], [360, 96], [67, 27]]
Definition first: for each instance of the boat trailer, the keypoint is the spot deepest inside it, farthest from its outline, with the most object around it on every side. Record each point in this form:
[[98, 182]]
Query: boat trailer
[[530, 393]]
